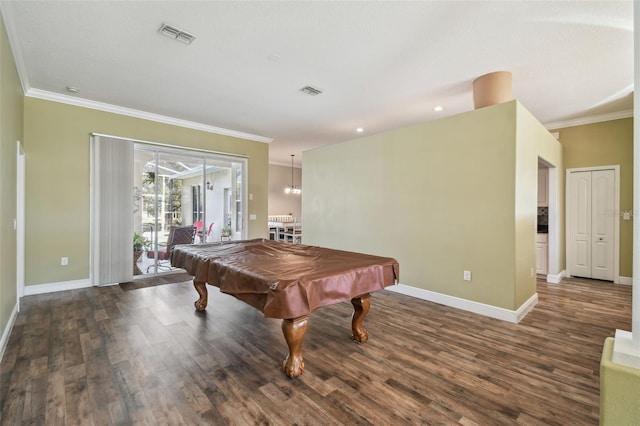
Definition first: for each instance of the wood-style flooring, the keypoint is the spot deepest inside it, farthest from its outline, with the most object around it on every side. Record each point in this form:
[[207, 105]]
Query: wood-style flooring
[[107, 356]]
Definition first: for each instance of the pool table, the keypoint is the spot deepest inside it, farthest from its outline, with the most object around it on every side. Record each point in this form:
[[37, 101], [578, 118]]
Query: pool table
[[288, 281]]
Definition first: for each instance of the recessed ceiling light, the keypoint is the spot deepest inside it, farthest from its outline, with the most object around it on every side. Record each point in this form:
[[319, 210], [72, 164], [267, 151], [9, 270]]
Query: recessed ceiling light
[[72, 89], [359, 130], [438, 108]]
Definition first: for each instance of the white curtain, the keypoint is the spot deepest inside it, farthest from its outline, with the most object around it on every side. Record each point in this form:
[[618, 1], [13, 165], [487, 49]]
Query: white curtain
[[111, 210]]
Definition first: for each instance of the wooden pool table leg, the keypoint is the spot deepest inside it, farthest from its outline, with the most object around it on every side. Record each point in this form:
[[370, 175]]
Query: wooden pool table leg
[[201, 288], [294, 330], [361, 306]]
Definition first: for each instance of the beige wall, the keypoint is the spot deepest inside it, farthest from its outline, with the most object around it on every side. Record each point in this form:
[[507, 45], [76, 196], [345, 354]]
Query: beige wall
[[56, 141], [605, 144], [279, 202], [441, 197], [533, 141], [10, 131], [619, 390]]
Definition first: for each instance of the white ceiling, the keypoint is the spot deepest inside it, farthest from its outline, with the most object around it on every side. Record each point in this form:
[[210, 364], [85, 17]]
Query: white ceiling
[[381, 65]]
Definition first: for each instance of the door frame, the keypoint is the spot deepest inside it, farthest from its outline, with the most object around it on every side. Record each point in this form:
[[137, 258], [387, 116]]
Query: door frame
[[20, 218], [554, 275], [241, 159], [616, 217]]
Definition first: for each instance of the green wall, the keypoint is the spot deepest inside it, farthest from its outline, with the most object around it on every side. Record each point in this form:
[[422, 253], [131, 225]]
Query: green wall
[[619, 390], [533, 140], [605, 144], [525, 211], [11, 99], [441, 197], [56, 143]]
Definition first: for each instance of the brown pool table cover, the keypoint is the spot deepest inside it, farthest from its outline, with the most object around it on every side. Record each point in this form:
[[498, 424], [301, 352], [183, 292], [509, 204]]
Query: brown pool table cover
[[285, 280]]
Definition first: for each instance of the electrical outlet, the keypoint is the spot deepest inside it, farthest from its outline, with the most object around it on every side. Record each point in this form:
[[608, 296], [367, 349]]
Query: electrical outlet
[[64, 261], [467, 275]]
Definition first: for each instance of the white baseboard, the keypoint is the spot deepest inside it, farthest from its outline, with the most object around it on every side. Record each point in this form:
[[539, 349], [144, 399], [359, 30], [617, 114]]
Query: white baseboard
[[7, 331], [624, 351], [527, 306], [468, 305], [555, 279], [625, 280], [30, 290]]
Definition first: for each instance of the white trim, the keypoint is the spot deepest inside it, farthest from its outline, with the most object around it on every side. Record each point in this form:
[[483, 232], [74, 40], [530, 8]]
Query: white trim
[[101, 106], [624, 351], [635, 291], [7, 14], [177, 149], [20, 221], [92, 210], [7, 330], [616, 217], [30, 290], [468, 305], [553, 242], [625, 280], [589, 120], [556, 279]]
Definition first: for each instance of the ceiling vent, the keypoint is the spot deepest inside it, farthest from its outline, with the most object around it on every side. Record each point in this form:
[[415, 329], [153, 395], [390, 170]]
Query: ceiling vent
[[311, 91], [176, 34]]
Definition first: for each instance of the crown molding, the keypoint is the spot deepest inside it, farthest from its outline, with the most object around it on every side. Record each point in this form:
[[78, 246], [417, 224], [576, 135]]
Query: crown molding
[[589, 120], [101, 106], [7, 17], [284, 164]]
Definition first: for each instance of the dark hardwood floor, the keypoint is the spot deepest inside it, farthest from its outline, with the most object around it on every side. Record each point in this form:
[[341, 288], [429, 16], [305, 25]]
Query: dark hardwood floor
[[109, 356]]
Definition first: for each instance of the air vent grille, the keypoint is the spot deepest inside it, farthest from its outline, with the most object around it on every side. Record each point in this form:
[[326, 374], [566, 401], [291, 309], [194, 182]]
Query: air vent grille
[[311, 91], [176, 34]]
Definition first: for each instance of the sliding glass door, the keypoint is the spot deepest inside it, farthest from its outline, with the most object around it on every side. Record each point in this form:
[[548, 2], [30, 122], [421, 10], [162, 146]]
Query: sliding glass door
[[178, 191]]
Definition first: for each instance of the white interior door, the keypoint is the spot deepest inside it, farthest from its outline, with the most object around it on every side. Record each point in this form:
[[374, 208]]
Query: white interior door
[[580, 218], [602, 209], [591, 205]]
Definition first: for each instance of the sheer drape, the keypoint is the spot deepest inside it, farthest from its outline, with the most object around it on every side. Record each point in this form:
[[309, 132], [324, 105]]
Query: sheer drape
[[112, 210]]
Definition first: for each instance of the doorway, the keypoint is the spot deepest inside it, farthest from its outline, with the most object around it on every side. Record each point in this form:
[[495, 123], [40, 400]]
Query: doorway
[[548, 223], [177, 188], [593, 223], [161, 194]]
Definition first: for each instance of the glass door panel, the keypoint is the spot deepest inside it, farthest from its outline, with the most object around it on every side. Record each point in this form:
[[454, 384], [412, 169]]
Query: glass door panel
[[181, 188]]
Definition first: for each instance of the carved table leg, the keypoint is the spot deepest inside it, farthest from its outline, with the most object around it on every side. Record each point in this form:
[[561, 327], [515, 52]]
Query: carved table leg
[[201, 288], [294, 330], [361, 306]]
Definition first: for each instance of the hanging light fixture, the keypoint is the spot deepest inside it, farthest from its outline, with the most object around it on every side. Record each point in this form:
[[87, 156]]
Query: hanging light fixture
[[292, 189]]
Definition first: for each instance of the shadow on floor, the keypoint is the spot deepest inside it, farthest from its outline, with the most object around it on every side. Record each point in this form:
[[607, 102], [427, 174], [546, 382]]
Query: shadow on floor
[[172, 278]]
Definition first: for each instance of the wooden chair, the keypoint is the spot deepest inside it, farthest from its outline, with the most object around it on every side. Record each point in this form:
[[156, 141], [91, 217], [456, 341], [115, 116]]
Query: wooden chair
[[177, 235]]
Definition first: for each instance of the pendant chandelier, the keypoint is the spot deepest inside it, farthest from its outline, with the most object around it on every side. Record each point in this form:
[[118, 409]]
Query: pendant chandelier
[[292, 189]]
